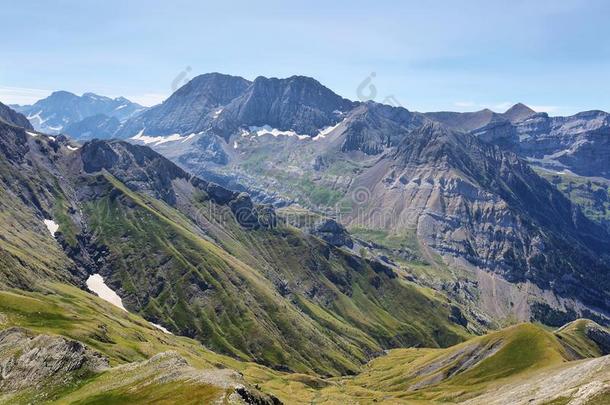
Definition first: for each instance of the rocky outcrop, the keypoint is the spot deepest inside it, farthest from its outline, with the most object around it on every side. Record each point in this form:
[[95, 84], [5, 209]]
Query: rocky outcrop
[[30, 361], [579, 143], [332, 232], [32, 366]]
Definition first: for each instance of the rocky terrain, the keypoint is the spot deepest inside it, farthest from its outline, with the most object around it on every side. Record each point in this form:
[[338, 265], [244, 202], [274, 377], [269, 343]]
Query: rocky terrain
[[468, 200], [578, 144], [39, 368]]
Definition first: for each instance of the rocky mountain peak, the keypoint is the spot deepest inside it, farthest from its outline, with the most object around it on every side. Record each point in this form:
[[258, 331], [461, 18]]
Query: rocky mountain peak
[[214, 88], [298, 103], [187, 109], [62, 94], [518, 112]]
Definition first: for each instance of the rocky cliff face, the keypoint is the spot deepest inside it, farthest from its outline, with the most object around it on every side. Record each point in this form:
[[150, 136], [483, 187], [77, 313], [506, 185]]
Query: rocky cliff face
[[579, 143], [299, 104], [186, 111], [471, 200]]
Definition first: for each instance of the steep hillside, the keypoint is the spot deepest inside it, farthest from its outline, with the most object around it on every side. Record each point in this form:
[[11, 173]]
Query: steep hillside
[[205, 262], [469, 200], [69, 346], [31, 196]]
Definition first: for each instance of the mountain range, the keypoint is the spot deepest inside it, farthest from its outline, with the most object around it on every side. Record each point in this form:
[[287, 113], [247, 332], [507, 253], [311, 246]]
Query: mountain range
[[468, 187], [326, 250], [62, 111]]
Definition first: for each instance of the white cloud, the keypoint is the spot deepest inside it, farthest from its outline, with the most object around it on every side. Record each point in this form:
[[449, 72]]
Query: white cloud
[[21, 95]]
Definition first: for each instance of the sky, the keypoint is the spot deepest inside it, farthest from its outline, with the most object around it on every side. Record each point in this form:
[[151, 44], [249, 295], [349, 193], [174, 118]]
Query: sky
[[426, 56]]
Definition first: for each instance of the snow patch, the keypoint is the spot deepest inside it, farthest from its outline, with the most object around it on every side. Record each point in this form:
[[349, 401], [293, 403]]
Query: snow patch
[[31, 134], [191, 136], [51, 226], [71, 147], [161, 328], [159, 140], [217, 112], [96, 284], [325, 131], [37, 117], [52, 138], [235, 145], [267, 130]]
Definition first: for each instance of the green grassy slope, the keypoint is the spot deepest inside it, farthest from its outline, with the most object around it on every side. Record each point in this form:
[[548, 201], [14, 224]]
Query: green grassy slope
[[592, 195], [334, 312], [478, 367], [275, 296], [524, 362], [28, 194], [131, 344]]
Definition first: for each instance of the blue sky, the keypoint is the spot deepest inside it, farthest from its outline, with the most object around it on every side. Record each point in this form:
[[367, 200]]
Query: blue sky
[[428, 56]]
